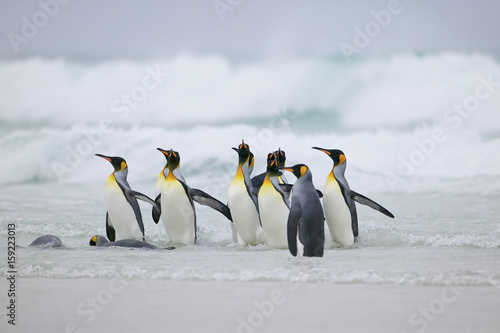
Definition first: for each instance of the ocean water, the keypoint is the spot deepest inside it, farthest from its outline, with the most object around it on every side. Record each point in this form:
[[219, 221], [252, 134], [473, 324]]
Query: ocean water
[[421, 135]]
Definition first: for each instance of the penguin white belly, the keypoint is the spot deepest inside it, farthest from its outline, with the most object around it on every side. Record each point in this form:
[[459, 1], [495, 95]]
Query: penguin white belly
[[121, 214], [274, 216], [177, 215], [159, 184], [337, 214], [244, 214]]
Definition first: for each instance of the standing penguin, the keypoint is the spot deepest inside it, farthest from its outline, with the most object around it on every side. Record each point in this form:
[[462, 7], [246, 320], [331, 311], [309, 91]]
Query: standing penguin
[[305, 225], [338, 201], [123, 219], [273, 206], [242, 201], [177, 208], [159, 184]]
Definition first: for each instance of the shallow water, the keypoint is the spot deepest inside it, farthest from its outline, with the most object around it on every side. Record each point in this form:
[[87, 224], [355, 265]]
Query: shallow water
[[433, 240], [383, 112]]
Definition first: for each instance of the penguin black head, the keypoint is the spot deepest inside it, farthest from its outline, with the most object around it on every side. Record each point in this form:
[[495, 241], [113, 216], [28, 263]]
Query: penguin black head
[[243, 151], [271, 157], [298, 170], [166, 153], [336, 155], [281, 157], [117, 162], [272, 164], [173, 158]]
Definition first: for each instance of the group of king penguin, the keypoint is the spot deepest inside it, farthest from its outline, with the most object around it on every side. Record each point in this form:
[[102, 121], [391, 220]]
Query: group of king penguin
[[265, 209]]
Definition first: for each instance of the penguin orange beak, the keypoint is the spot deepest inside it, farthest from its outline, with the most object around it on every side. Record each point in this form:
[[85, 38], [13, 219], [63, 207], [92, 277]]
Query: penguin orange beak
[[105, 157], [322, 149], [163, 151]]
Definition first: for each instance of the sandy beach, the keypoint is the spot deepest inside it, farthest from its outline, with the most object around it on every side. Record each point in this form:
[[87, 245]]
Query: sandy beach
[[109, 305]]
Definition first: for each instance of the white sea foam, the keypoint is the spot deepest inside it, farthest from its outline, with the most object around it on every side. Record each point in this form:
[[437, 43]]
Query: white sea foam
[[384, 114]]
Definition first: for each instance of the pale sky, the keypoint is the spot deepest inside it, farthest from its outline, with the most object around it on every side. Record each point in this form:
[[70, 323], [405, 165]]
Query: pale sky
[[247, 29]]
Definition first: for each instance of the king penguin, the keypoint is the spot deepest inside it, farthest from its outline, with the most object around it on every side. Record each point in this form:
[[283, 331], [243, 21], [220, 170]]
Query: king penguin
[[123, 219], [338, 201], [47, 241], [242, 201], [98, 240], [177, 207], [273, 206], [159, 184], [305, 225]]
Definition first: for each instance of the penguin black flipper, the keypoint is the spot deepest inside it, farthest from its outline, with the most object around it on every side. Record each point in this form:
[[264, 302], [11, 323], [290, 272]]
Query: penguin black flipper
[[292, 228], [110, 231], [370, 203], [156, 213], [258, 180], [207, 200], [143, 197]]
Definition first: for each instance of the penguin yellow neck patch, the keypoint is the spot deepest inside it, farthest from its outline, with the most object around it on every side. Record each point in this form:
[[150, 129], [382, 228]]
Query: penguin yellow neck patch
[[170, 177], [341, 159], [239, 173]]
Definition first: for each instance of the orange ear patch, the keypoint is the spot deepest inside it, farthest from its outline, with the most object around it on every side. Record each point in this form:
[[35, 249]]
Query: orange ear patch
[[303, 170]]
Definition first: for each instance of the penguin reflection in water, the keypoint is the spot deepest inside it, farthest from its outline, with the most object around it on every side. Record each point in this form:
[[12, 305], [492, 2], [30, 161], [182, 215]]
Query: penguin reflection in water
[[123, 218], [176, 202], [338, 201]]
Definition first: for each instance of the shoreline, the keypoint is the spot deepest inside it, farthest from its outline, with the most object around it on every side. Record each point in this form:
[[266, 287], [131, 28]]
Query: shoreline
[[85, 305]]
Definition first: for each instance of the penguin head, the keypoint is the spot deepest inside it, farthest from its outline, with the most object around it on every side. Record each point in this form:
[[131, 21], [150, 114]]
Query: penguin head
[[165, 153], [117, 162], [244, 153], [336, 155], [298, 170], [272, 164], [173, 158], [281, 157], [97, 240]]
